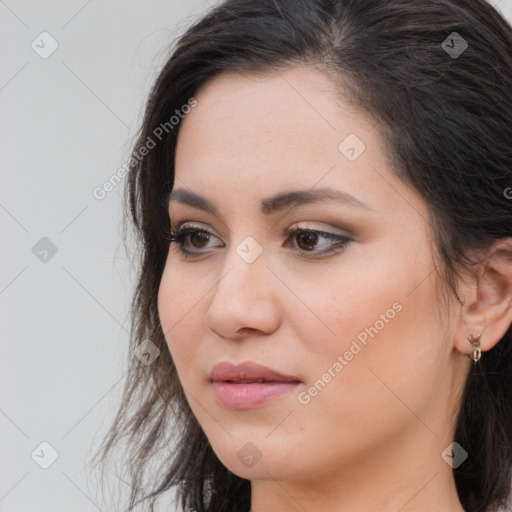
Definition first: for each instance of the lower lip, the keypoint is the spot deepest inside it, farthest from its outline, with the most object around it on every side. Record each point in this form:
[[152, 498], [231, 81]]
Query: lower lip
[[246, 396]]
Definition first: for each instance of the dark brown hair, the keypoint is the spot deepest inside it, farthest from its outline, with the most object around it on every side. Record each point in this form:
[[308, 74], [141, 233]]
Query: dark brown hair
[[447, 123]]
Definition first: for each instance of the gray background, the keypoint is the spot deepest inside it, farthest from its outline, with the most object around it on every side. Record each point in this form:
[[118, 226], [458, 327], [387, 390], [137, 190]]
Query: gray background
[[66, 126]]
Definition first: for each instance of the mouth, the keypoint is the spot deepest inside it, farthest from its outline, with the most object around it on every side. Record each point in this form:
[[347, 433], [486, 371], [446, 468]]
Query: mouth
[[247, 372], [248, 385], [254, 381]]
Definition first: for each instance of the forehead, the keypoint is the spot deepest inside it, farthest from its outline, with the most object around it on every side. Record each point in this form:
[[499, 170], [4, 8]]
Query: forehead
[[273, 121], [250, 110]]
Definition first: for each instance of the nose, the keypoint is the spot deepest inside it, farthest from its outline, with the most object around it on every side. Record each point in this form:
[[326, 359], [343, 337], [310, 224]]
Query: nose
[[244, 301]]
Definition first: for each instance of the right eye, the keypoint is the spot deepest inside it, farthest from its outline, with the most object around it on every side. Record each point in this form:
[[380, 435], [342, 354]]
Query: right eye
[[198, 237]]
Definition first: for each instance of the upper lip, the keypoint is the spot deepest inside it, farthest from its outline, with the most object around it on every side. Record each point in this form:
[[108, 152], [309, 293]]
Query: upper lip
[[247, 371]]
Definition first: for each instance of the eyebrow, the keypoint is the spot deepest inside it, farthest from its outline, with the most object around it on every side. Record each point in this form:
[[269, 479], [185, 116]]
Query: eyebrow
[[273, 204]]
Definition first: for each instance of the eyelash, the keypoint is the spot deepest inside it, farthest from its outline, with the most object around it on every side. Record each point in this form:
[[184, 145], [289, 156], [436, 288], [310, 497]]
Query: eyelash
[[185, 231]]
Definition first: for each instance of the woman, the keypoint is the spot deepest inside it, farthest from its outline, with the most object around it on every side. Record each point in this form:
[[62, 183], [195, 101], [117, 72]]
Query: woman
[[322, 320]]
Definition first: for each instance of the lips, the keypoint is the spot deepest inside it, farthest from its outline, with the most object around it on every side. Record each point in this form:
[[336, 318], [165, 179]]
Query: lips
[[247, 373], [248, 384]]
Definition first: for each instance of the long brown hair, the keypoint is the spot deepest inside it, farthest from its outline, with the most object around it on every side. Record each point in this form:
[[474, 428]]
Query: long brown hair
[[447, 121]]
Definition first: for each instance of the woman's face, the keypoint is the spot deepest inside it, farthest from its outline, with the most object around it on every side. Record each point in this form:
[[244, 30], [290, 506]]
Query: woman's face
[[350, 312]]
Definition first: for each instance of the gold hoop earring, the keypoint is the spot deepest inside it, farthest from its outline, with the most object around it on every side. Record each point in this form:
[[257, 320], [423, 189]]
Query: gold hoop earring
[[476, 353]]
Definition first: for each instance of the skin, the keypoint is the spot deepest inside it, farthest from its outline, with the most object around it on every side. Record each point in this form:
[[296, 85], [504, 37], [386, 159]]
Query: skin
[[372, 438]]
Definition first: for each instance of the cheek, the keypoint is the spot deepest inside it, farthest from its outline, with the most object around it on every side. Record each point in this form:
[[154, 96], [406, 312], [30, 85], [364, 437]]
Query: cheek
[[179, 311], [354, 405]]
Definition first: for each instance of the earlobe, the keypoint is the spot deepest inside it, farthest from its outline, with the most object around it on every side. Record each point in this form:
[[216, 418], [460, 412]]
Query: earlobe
[[488, 312]]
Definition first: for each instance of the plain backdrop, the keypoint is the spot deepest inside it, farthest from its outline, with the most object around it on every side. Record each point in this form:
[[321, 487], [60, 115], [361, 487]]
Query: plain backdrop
[[74, 76]]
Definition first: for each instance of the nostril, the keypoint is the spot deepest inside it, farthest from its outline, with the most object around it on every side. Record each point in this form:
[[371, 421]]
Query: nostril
[[247, 330]]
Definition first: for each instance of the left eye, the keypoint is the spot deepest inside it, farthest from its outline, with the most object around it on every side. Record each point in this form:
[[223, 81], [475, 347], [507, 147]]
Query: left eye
[[307, 239]]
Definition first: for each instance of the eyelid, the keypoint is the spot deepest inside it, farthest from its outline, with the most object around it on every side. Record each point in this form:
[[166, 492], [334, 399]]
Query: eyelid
[[296, 226], [192, 225], [328, 229]]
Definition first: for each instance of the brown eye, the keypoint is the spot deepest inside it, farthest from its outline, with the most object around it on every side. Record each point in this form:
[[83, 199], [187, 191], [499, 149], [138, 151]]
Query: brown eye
[[307, 240], [190, 239], [318, 243], [201, 237]]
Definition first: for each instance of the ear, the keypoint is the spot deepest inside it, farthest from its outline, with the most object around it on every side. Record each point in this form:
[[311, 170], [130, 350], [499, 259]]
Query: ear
[[487, 299]]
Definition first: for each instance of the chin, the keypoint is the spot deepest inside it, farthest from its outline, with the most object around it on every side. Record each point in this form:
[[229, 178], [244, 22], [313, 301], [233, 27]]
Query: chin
[[256, 460]]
